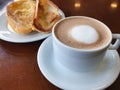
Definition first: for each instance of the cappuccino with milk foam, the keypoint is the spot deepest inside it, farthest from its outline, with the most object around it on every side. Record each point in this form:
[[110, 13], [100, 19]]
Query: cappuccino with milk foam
[[82, 33]]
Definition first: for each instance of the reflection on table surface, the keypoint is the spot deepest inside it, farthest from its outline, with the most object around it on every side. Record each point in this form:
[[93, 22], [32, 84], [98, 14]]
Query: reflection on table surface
[[18, 62]]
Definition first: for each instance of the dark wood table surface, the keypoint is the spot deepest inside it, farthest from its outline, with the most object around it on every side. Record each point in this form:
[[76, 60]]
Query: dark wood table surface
[[18, 62]]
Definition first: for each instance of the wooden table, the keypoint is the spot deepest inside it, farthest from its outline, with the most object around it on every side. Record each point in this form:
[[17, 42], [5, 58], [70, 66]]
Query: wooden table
[[18, 62]]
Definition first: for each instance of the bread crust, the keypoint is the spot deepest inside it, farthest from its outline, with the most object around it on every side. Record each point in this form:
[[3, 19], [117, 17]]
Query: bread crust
[[47, 16], [44, 14], [21, 25]]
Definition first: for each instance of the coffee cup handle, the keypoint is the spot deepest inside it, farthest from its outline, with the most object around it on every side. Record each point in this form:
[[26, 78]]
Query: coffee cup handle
[[117, 42]]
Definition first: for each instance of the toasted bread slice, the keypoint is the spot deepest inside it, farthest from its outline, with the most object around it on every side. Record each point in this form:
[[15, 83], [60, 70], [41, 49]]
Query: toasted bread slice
[[20, 16], [47, 16]]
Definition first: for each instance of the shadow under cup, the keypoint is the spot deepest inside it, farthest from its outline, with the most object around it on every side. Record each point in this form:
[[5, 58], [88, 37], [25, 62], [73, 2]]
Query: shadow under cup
[[78, 59]]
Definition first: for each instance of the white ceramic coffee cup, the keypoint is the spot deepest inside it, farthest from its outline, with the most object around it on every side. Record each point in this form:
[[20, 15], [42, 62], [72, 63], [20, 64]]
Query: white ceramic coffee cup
[[79, 59]]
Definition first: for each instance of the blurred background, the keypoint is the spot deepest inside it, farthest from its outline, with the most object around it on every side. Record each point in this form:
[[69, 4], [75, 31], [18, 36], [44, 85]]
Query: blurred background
[[3, 3]]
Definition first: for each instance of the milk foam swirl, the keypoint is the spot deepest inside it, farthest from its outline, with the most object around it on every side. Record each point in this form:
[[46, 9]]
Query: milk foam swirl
[[84, 34]]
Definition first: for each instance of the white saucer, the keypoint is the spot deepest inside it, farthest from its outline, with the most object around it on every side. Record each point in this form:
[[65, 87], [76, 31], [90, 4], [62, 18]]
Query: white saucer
[[8, 35], [66, 79]]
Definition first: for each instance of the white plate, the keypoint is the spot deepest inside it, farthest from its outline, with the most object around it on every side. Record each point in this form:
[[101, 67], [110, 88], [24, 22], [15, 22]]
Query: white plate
[[63, 78], [8, 35]]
